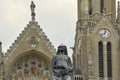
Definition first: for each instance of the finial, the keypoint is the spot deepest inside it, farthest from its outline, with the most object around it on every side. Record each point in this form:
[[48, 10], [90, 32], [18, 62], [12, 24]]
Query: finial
[[32, 10], [118, 12]]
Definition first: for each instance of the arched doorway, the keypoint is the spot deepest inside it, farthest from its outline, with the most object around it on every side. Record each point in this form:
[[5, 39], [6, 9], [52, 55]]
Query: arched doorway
[[31, 65]]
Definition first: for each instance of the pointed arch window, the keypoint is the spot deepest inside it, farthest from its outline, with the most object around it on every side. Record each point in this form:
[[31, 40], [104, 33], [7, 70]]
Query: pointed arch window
[[100, 57], [90, 7], [109, 61], [101, 5]]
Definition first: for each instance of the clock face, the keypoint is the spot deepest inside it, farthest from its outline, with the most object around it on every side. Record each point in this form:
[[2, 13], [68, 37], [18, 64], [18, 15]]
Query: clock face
[[104, 33]]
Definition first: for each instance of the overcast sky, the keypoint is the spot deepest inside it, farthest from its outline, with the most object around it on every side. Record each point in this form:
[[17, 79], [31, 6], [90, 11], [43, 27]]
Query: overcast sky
[[57, 18]]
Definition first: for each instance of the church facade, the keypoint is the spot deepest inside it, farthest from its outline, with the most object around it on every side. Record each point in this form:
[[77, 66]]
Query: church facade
[[30, 55], [96, 50]]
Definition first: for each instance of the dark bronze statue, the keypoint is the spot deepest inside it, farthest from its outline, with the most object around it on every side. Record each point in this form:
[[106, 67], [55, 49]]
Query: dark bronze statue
[[61, 67]]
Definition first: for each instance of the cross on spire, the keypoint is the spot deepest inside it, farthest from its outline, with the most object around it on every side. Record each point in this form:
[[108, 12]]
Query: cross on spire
[[32, 10]]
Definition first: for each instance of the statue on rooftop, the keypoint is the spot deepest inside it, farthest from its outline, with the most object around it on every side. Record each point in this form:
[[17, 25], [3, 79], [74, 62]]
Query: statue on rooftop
[[61, 66], [32, 10]]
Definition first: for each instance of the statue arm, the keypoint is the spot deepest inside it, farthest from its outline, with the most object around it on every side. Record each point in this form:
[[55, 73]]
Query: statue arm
[[54, 73], [69, 63]]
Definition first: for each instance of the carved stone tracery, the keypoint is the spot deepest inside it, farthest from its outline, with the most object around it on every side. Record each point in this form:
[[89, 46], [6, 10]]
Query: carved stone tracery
[[30, 68], [33, 41]]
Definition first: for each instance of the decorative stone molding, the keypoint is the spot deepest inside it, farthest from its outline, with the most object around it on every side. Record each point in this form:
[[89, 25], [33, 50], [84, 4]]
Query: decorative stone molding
[[33, 41], [26, 29]]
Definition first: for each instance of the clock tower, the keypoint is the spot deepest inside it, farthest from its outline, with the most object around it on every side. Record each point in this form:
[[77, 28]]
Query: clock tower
[[96, 48]]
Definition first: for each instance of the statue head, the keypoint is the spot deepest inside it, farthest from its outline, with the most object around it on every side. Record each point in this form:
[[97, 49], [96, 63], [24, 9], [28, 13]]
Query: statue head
[[62, 50]]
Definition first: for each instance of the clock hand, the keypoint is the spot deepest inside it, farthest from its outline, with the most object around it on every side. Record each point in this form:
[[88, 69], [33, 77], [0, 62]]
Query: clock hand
[[104, 32]]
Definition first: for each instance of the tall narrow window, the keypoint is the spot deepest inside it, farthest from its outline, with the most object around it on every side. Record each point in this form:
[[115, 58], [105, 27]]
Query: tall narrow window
[[109, 61], [90, 7], [101, 5], [100, 54], [75, 78]]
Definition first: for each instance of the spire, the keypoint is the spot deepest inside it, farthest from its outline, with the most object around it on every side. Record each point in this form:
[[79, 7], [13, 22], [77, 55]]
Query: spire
[[118, 12], [32, 10]]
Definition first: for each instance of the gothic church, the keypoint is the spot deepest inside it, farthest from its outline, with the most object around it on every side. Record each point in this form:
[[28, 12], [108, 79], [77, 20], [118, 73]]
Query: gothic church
[[30, 55], [95, 52]]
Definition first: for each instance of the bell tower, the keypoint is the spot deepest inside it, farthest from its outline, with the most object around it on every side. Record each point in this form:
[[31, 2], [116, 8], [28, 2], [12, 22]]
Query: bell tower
[[90, 7], [96, 48]]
